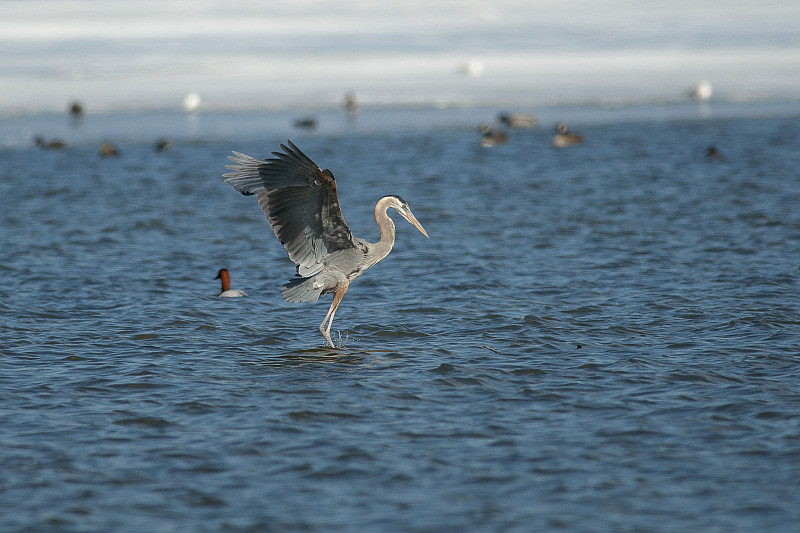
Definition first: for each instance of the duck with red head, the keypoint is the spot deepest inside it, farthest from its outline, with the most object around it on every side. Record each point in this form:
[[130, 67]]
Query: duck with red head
[[226, 291]]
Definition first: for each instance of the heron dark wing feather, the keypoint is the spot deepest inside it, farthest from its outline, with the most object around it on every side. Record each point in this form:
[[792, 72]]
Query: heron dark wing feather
[[290, 169], [334, 228], [286, 213], [300, 202]]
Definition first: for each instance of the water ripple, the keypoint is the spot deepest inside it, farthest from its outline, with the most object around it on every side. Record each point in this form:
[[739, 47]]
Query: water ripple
[[601, 338]]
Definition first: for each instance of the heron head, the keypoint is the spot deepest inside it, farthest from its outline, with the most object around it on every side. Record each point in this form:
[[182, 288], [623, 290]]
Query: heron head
[[401, 206]]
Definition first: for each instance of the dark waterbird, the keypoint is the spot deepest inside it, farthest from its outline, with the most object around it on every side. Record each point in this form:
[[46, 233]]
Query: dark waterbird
[[307, 123], [301, 205], [351, 104], [55, 144], [163, 145], [712, 154], [76, 109]]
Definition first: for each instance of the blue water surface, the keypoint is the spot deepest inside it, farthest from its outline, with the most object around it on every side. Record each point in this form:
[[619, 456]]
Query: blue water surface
[[599, 338]]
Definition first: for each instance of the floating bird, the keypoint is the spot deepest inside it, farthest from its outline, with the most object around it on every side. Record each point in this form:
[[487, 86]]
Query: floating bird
[[76, 110], [108, 150], [564, 138], [55, 144], [712, 154], [163, 145], [350, 104], [307, 123], [301, 205], [191, 102], [472, 68], [701, 92], [226, 291], [491, 138], [517, 120]]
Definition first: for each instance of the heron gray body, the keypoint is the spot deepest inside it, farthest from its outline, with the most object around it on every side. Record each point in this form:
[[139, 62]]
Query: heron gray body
[[301, 205]]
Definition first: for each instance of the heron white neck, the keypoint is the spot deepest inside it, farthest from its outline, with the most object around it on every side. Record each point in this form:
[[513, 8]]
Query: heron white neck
[[385, 227]]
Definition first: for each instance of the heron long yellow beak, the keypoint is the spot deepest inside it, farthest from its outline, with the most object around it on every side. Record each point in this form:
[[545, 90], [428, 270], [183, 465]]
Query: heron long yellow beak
[[408, 215]]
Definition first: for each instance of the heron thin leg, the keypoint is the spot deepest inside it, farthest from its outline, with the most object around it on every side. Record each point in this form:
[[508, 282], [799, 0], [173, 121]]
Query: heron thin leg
[[328, 341], [338, 294]]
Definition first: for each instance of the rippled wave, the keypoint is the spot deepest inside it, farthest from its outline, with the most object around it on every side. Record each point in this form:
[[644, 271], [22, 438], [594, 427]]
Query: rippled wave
[[603, 337]]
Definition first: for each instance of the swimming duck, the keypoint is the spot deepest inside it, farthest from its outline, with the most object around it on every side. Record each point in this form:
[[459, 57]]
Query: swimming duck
[[351, 104], [517, 120], [713, 154], [226, 291], [55, 144], [191, 102], [163, 145], [472, 68], [108, 150], [76, 109], [564, 138], [307, 123], [491, 138], [701, 92]]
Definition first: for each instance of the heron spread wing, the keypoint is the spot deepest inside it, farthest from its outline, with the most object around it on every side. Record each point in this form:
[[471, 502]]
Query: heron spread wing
[[300, 202]]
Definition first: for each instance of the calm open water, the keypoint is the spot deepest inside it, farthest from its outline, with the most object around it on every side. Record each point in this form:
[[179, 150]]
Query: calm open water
[[599, 338]]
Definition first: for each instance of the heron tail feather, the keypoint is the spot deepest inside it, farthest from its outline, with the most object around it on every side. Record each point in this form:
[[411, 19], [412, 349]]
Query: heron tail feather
[[301, 290]]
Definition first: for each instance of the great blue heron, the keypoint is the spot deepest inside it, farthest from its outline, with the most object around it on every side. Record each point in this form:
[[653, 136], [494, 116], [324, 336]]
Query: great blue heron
[[300, 202]]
